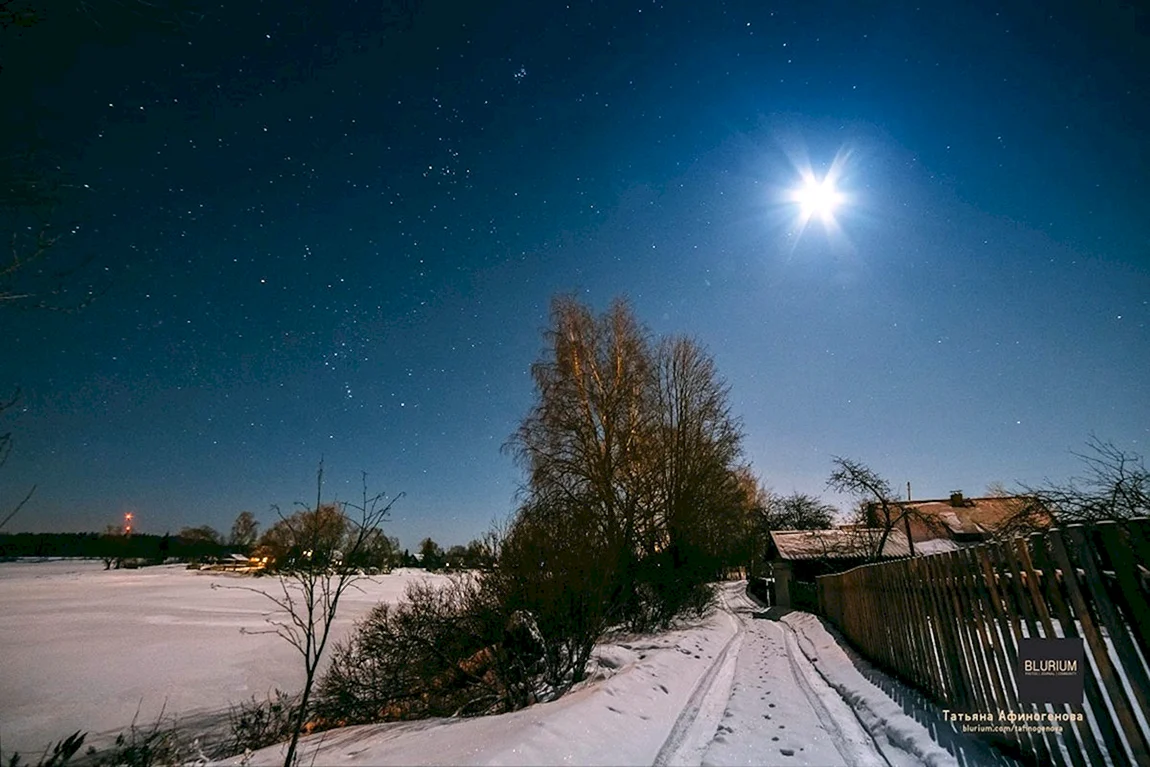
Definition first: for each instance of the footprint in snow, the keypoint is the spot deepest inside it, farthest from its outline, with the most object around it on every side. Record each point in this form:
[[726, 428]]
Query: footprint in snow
[[664, 689], [612, 708], [787, 751]]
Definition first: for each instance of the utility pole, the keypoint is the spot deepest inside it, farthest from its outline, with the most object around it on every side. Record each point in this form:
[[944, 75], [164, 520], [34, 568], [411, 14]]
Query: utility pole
[[906, 521]]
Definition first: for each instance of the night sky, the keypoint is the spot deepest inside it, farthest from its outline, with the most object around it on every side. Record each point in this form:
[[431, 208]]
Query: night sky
[[333, 230]]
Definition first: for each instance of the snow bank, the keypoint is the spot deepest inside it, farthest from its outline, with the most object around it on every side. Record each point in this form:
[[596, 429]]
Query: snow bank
[[885, 719], [622, 715]]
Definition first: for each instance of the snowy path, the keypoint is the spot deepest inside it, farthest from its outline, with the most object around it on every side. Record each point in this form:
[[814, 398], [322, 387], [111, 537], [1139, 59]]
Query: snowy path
[[739, 688], [740, 712], [778, 707]]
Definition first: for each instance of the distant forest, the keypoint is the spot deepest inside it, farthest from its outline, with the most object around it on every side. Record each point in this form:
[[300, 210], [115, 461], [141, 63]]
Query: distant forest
[[136, 547]]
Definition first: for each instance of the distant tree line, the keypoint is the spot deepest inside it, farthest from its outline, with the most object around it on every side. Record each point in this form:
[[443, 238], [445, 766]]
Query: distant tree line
[[278, 543], [140, 548], [476, 555]]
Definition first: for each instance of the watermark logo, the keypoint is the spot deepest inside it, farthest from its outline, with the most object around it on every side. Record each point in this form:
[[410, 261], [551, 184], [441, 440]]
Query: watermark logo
[[1051, 671]]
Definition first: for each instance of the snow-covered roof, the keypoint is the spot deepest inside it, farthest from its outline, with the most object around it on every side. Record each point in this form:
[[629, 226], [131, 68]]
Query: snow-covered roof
[[840, 543], [962, 516], [936, 546]]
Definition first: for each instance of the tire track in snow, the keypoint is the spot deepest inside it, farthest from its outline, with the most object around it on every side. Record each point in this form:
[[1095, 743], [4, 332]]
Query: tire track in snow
[[853, 741], [697, 723]]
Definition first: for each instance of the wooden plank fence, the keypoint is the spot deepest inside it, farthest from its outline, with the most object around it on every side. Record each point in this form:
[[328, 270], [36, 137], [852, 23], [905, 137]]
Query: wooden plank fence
[[950, 624]]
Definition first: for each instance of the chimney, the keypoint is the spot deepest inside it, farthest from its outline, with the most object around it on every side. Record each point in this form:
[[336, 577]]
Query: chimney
[[956, 498]]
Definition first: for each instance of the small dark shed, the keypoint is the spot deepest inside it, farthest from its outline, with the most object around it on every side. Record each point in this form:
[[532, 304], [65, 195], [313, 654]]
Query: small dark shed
[[796, 557]]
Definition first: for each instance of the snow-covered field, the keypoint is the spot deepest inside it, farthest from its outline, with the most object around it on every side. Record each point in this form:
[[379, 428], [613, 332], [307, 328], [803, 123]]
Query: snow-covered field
[[83, 648]]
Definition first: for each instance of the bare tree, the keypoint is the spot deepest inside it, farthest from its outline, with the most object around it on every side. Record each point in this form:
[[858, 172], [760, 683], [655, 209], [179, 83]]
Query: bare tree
[[1114, 486], [329, 542], [637, 442], [582, 442], [695, 449], [997, 489], [202, 534], [751, 529], [36, 270], [30, 278], [5, 451], [879, 507], [798, 511], [245, 530]]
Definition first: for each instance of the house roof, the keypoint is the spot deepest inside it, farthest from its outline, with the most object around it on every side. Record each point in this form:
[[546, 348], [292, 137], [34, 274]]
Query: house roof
[[962, 516], [936, 546], [840, 543]]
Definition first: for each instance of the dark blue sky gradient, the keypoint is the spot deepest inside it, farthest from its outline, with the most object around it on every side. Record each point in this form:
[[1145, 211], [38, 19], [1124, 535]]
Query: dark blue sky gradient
[[333, 230]]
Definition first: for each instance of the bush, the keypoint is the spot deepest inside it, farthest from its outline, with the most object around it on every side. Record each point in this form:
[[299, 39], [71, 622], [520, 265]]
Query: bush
[[63, 751], [261, 723], [551, 569], [141, 748], [156, 746], [666, 586], [503, 639], [442, 652]]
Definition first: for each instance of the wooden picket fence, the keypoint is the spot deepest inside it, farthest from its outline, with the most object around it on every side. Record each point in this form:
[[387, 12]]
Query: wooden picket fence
[[950, 624]]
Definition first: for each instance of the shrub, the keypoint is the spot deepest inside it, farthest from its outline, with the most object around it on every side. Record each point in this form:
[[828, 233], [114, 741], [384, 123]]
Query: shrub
[[140, 748], [521, 633], [439, 653], [667, 586], [63, 751], [258, 723], [550, 568], [156, 746]]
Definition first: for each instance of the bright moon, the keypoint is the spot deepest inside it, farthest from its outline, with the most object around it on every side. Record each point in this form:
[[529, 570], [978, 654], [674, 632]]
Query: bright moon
[[818, 198]]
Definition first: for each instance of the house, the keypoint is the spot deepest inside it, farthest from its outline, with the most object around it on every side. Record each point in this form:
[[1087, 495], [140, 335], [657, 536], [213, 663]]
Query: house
[[945, 524], [236, 563], [796, 557]]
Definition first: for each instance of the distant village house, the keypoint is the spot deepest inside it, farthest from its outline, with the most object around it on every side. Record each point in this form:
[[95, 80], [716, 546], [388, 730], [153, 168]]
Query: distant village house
[[797, 557]]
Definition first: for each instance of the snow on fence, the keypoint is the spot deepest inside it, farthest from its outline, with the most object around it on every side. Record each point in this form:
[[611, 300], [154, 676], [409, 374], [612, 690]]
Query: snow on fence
[[951, 623]]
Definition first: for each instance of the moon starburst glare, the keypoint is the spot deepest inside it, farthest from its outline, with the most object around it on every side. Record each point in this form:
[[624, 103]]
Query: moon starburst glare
[[818, 198]]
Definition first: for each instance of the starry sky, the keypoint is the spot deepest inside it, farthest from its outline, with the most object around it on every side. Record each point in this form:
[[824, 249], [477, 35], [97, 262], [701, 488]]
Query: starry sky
[[333, 230]]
